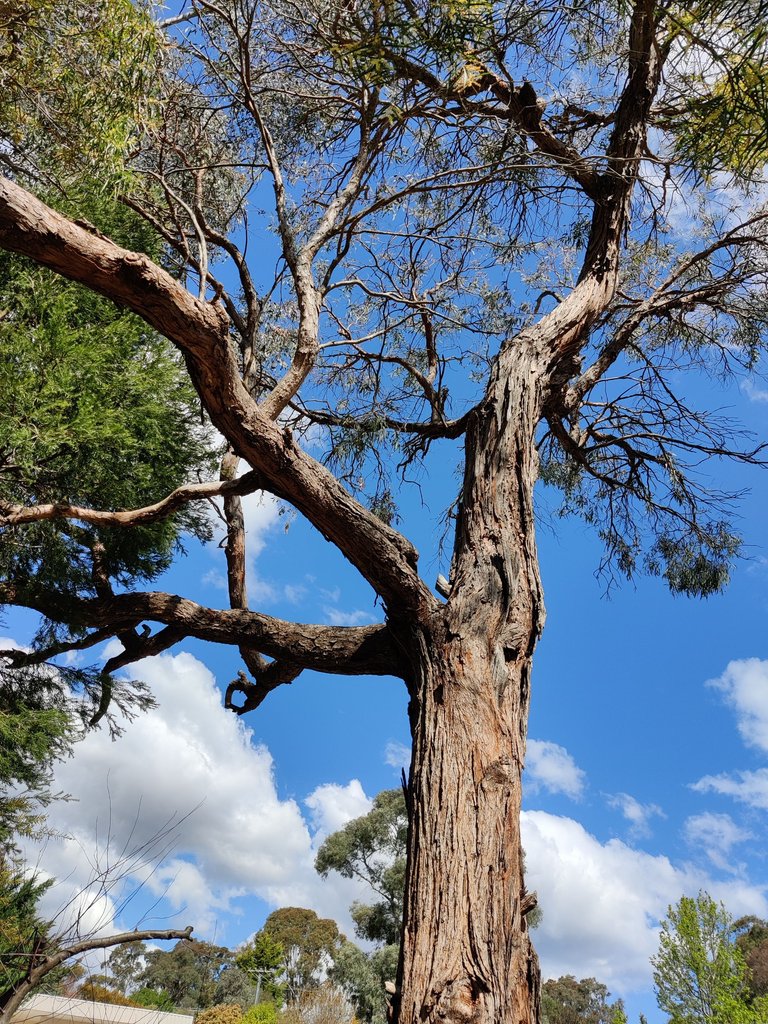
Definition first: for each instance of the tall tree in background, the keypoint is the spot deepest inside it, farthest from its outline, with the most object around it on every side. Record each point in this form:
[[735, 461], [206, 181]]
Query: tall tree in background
[[372, 848], [700, 973], [309, 944], [752, 941], [568, 1001], [472, 247]]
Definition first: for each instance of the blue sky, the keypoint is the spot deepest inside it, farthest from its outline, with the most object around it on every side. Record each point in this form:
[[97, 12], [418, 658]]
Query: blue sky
[[647, 767]]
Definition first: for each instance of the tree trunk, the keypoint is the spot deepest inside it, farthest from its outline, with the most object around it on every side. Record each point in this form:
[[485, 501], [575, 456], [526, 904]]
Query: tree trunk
[[466, 955]]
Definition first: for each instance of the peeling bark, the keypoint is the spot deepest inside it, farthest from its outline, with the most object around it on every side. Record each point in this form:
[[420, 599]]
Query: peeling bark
[[467, 957]]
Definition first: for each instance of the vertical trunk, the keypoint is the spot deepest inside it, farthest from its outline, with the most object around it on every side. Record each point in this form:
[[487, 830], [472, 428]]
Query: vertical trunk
[[466, 952]]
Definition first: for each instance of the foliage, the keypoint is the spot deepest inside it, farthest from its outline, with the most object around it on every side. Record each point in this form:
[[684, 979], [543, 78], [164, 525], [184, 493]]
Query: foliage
[[100, 412], [22, 932], [221, 1013], [263, 961], [699, 972], [310, 944], [726, 127], [568, 1001], [189, 972], [75, 80], [372, 848], [261, 1013], [37, 728]]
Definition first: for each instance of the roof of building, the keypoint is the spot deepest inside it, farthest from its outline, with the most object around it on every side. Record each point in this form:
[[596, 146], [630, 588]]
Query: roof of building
[[65, 1010]]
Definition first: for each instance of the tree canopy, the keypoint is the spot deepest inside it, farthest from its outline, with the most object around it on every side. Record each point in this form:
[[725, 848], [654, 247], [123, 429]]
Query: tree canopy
[[700, 973], [372, 848], [472, 243]]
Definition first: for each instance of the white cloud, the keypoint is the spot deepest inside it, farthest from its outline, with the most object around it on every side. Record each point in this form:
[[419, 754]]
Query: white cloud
[[638, 815], [337, 617], [397, 755], [601, 903], [295, 593], [190, 759], [753, 392], [745, 687], [716, 835], [549, 766], [747, 787], [332, 806], [261, 512]]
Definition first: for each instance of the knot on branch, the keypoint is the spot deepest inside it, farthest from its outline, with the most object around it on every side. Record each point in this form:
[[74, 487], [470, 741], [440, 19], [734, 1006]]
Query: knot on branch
[[267, 676]]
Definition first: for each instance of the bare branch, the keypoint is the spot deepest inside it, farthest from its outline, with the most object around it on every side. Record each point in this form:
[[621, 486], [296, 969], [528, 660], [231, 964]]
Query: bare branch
[[16, 515], [40, 970]]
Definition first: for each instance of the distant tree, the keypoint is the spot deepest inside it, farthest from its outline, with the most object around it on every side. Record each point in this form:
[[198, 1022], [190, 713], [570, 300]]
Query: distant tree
[[156, 998], [125, 965], [96, 992], [752, 940], [323, 1005], [568, 1001], [235, 986], [363, 976], [310, 944], [262, 960], [372, 848], [700, 973], [189, 972]]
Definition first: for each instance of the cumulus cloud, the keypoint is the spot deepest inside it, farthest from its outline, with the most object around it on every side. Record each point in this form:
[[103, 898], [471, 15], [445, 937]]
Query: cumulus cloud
[[550, 767], [332, 806], [716, 835], [638, 815], [189, 774], [744, 685], [602, 902], [747, 787]]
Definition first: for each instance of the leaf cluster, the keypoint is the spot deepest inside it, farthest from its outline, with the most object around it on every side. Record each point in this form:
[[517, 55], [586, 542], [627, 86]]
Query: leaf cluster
[[100, 413], [75, 81], [372, 848]]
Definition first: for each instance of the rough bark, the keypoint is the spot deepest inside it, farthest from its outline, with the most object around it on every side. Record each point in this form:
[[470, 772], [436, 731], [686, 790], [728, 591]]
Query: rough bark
[[466, 955], [466, 952]]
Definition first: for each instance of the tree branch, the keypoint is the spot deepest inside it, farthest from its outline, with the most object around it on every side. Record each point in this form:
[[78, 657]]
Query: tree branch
[[50, 963], [347, 650], [16, 515], [200, 331]]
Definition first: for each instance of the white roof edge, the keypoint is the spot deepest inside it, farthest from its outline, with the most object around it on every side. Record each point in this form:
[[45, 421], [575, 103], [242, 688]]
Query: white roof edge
[[66, 1010]]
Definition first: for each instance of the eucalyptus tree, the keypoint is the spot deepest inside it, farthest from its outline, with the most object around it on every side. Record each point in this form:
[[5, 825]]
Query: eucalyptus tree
[[473, 212]]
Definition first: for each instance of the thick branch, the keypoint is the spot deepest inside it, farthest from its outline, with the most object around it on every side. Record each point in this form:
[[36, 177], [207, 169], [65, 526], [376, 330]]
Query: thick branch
[[200, 330], [347, 650], [37, 973], [16, 515]]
